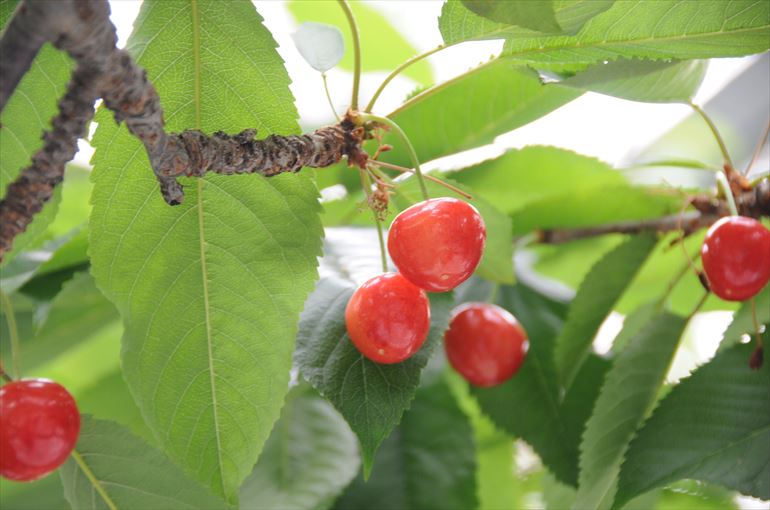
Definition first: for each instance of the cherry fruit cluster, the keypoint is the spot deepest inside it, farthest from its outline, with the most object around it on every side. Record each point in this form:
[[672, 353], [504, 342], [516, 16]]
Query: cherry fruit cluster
[[39, 426], [435, 245]]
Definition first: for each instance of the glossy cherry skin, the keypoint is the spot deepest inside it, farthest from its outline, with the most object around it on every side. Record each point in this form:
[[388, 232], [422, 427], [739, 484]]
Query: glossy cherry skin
[[39, 426], [388, 318], [736, 257], [437, 244], [485, 343]]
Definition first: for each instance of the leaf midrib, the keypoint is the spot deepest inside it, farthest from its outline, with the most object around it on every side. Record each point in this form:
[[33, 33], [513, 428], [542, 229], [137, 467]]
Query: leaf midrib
[[635, 42], [196, 48]]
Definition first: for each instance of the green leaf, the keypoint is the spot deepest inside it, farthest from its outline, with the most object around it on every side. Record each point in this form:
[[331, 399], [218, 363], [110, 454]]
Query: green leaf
[[538, 16], [743, 319], [595, 299], [371, 397], [457, 23], [310, 457], [523, 176], [713, 426], [210, 291], [472, 109], [26, 115], [594, 206], [427, 462], [128, 471], [71, 318], [654, 29], [383, 48], [629, 392], [527, 405], [649, 81]]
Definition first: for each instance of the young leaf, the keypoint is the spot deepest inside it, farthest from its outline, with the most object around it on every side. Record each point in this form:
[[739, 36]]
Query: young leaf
[[210, 291], [713, 426], [649, 81], [457, 23], [629, 392], [310, 457], [427, 462], [26, 115], [119, 470], [654, 29], [527, 405], [472, 109], [600, 290], [72, 317], [383, 48], [320, 45], [538, 16], [371, 397], [522, 176]]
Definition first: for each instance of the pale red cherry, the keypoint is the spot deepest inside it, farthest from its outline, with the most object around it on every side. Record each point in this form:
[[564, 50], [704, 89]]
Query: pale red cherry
[[485, 344], [437, 244], [388, 318]]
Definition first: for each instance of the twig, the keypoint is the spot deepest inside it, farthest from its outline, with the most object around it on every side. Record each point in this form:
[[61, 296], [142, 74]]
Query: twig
[[18, 49], [688, 222]]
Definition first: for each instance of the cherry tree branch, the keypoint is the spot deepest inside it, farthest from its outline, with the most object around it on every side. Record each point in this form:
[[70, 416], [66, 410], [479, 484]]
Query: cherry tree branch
[[82, 28], [754, 203]]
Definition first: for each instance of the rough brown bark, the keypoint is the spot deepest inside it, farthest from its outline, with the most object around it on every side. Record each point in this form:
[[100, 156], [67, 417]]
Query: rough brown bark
[[82, 28]]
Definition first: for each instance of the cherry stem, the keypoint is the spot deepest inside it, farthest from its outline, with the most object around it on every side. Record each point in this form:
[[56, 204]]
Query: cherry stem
[[329, 97], [3, 374], [431, 178], [725, 187], [366, 184], [758, 149], [13, 332], [715, 132], [95, 483], [356, 52], [409, 148], [398, 70], [756, 322]]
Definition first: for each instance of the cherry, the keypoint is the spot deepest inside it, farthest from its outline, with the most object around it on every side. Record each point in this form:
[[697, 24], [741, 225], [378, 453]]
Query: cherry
[[437, 244], [485, 343], [388, 318], [736, 257], [39, 425]]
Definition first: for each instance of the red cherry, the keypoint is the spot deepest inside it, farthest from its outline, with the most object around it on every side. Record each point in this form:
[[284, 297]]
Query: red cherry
[[388, 318], [39, 425], [736, 257], [485, 343], [437, 244]]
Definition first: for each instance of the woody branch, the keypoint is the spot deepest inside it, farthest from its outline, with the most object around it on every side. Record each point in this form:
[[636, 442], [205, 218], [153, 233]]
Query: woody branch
[[82, 28]]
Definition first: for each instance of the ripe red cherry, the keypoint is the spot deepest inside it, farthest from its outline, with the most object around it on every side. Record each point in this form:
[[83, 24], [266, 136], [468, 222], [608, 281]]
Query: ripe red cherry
[[437, 244], [39, 425], [485, 343], [388, 318], [736, 257]]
